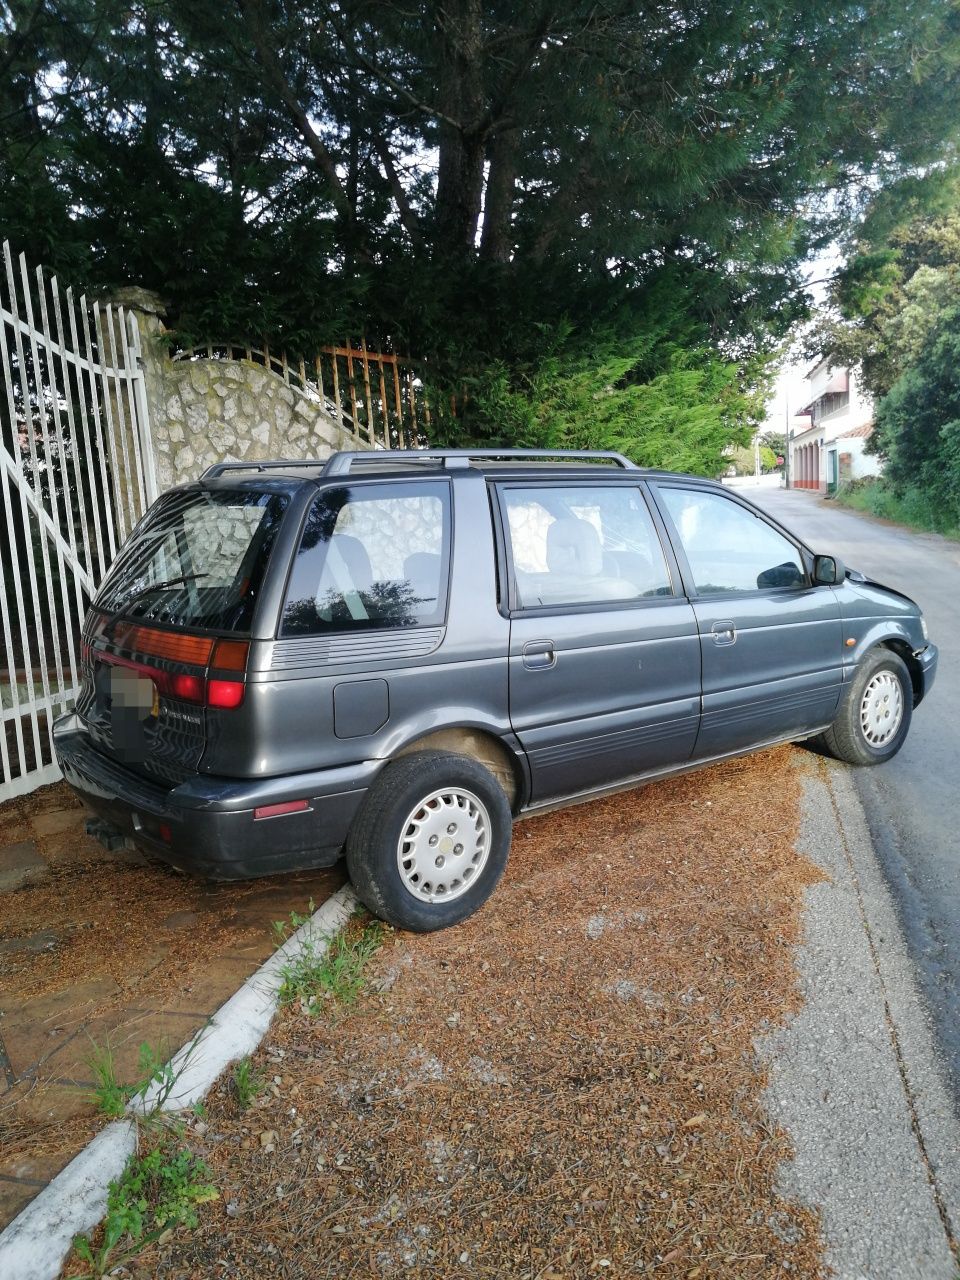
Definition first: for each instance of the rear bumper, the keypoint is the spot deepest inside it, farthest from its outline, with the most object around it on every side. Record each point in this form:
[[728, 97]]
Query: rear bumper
[[206, 825]]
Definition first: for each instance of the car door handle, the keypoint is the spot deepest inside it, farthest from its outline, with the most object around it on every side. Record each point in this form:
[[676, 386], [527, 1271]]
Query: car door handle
[[539, 655], [724, 633]]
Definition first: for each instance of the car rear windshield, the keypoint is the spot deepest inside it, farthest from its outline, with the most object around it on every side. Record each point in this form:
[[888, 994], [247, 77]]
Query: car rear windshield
[[197, 561]]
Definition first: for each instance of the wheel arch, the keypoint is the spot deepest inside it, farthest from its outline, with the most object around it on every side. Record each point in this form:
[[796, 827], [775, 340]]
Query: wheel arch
[[905, 652], [480, 745]]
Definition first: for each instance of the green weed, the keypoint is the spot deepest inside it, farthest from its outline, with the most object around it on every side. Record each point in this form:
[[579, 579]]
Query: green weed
[[320, 971], [246, 1082], [111, 1096], [282, 929], [159, 1189]]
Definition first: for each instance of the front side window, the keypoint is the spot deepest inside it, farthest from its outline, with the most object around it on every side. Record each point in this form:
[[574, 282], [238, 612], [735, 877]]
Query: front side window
[[197, 561], [728, 547], [583, 545], [371, 556]]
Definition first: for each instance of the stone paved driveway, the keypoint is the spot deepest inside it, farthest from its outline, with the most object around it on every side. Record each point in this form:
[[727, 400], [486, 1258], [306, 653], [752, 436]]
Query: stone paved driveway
[[102, 952]]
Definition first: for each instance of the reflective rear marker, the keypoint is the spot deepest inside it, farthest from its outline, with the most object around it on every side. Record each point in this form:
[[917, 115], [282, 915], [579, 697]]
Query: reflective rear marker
[[277, 810]]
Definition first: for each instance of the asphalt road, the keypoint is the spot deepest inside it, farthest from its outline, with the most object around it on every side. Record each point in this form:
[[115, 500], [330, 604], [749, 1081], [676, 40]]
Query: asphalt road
[[912, 803]]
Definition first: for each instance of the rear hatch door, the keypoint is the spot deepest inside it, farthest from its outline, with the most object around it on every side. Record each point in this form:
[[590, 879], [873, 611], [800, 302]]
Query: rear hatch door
[[177, 606]]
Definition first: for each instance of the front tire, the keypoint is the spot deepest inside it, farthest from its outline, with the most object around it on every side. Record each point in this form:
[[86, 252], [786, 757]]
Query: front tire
[[874, 718], [430, 842]]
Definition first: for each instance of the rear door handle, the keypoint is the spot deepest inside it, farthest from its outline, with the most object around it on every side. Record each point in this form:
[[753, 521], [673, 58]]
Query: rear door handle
[[724, 633], [539, 655]]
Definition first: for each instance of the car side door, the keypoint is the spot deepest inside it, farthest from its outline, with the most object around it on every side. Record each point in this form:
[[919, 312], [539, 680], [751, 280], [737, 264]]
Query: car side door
[[771, 641], [604, 650]]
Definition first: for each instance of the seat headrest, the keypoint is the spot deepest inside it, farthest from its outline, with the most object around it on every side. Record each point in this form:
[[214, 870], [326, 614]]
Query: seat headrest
[[354, 555], [573, 546]]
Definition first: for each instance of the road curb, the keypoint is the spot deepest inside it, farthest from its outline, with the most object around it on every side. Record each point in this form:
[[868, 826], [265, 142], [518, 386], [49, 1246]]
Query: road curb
[[854, 1077], [34, 1245], [937, 1123]]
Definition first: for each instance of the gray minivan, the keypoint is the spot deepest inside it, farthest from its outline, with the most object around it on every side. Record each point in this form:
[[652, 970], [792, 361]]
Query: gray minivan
[[396, 653]]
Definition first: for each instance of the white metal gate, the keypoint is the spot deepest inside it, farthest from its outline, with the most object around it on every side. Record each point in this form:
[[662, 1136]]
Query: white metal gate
[[76, 473]]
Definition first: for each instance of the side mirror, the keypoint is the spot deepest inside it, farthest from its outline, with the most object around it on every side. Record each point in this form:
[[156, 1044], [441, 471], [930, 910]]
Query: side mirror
[[828, 571]]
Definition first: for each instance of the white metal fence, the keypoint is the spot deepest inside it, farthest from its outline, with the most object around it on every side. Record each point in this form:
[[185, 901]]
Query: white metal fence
[[76, 473]]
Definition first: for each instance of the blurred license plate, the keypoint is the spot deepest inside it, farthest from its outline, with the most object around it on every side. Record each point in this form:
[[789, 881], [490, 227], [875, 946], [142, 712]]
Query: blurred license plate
[[132, 696]]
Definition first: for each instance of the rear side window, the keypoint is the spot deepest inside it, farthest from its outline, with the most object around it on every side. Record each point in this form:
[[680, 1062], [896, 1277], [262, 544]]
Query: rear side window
[[583, 545], [728, 547], [371, 556], [198, 561]]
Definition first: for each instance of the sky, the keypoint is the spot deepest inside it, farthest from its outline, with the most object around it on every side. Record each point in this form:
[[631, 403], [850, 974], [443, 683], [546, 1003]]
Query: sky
[[789, 392]]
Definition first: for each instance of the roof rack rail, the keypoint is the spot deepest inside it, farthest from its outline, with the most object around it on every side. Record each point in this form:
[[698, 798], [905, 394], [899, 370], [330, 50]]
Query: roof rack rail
[[341, 463], [219, 468]]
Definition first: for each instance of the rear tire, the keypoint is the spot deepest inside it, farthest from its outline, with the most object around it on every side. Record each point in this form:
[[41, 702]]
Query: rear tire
[[430, 841], [874, 718]]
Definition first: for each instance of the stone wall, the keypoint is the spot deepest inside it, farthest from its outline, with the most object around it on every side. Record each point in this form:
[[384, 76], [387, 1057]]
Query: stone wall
[[234, 410], [206, 411]]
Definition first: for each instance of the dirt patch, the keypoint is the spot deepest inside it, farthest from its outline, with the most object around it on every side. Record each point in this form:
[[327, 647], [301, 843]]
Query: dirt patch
[[565, 1086], [106, 948]]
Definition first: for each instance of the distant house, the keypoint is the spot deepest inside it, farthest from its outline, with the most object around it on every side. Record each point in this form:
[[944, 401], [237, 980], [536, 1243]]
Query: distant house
[[827, 446]]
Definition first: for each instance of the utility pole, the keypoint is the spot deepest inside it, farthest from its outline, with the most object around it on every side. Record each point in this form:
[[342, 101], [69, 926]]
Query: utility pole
[[786, 436]]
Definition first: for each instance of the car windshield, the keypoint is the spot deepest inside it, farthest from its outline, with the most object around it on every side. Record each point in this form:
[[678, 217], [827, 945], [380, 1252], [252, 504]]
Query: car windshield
[[197, 561]]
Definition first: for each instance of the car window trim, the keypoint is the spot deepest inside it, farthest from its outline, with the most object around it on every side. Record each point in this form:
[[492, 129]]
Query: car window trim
[[510, 606], [804, 552]]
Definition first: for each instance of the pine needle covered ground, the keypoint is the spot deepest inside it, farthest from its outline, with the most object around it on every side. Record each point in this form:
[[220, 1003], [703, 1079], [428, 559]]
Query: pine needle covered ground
[[565, 1086]]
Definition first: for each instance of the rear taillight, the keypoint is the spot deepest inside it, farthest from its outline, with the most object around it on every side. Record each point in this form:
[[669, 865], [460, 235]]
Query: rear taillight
[[222, 684], [228, 656], [225, 693], [187, 688]]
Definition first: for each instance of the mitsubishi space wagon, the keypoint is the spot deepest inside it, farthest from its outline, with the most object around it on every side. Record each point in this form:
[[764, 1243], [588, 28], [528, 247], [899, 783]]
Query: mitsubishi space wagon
[[393, 655]]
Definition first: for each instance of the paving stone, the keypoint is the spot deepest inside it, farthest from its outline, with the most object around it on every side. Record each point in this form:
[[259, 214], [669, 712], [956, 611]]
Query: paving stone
[[180, 920], [72, 848], [57, 796], [206, 992], [123, 1032], [15, 1196], [42, 940], [30, 1044], [275, 901], [50, 1104], [33, 1168], [56, 820], [66, 1007], [23, 1177], [252, 950], [21, 865]]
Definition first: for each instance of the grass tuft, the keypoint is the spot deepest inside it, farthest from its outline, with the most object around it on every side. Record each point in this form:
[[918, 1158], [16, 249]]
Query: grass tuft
[[246, 1082], [322, 970], [109, 1096]]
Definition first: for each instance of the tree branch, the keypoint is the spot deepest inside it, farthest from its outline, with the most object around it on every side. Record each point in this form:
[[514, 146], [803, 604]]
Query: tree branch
[[496, 112], [386, 78], [408, 216], [318, 148], [567, 201]]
